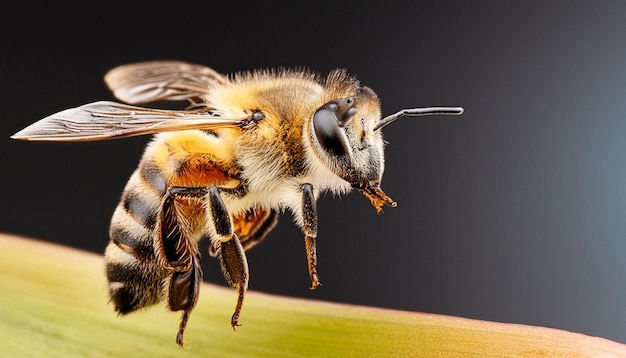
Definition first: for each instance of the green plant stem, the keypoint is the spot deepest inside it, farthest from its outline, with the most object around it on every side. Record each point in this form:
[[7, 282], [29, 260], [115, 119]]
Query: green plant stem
[[53, 303]]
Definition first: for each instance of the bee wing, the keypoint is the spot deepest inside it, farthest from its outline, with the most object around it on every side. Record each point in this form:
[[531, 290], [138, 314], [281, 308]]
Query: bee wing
[[108, 120], [162, 81]]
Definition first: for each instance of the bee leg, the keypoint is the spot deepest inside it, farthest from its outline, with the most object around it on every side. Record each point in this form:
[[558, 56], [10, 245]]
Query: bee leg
[[251, 228], [235, 269], [264, 223], [309, 228], [182, 259], [229, 251], [183, 290]]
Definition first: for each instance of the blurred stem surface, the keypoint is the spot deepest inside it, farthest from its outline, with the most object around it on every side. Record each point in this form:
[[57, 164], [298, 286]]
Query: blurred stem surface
[[53, 303]]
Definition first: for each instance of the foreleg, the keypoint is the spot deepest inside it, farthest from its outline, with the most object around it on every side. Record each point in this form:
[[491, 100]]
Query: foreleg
[[309, 228]]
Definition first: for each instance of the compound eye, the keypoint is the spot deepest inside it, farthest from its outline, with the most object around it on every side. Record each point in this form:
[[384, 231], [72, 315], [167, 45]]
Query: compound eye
[[328, 133], [327, 123]]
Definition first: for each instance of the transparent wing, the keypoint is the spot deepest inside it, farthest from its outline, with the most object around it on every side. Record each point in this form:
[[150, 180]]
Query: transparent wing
[[162, 81], [108, 120]]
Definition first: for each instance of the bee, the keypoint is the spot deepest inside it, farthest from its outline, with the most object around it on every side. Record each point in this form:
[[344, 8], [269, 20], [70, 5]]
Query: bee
[[248, 147]]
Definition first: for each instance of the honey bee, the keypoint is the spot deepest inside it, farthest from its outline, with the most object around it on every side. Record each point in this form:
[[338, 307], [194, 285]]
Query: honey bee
[[248, 147]]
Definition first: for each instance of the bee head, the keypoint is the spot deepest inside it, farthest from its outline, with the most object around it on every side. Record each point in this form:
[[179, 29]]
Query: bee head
[[346, 141], [347, 137]]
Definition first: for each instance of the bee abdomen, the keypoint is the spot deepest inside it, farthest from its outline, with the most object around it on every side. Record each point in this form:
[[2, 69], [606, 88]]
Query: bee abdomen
[[133, 285], [134, 275]]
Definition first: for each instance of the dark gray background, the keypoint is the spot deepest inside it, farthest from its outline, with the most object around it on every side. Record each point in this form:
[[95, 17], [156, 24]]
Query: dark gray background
[[514, 212]]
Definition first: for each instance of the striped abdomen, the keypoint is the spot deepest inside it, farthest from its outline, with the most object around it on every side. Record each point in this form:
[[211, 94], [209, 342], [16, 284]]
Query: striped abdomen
[[133, 270], [153, 252]]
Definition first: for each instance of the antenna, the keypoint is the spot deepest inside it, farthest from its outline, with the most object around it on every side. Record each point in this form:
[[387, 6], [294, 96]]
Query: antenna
[[455, 111]]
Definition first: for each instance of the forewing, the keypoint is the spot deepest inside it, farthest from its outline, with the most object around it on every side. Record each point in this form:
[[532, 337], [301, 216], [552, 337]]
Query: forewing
[[162, 81], [108, 120]]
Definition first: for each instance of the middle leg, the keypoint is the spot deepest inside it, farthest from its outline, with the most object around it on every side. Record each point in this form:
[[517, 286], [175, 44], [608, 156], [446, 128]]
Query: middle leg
[[229, 251]]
